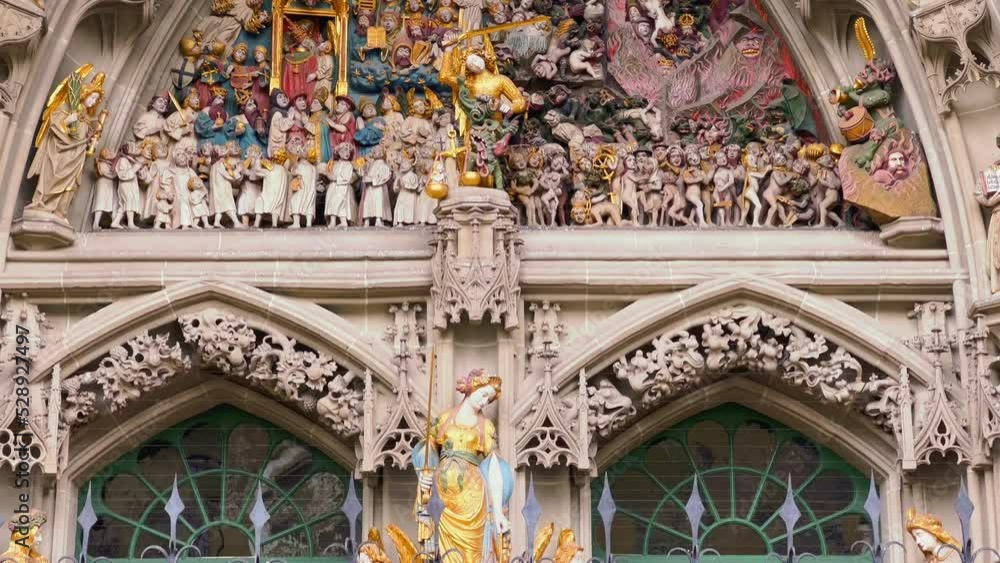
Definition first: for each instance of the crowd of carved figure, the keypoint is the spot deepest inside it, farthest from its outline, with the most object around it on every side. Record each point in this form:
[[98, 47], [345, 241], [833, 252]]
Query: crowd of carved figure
[[646, 112]]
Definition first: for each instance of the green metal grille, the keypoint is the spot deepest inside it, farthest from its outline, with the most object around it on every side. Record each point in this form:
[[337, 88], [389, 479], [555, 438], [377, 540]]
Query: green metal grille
[[743, 461], [219, 457]]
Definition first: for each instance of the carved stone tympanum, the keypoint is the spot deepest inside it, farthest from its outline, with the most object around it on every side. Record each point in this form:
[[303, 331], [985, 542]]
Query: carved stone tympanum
[[476, 259]]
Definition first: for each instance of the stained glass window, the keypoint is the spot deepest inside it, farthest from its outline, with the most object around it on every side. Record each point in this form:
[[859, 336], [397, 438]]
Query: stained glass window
[[219, 457], [743, 461]]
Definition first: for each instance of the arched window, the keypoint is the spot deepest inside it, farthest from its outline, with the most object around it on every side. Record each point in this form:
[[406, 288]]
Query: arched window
[[218, 458], [743, 461]]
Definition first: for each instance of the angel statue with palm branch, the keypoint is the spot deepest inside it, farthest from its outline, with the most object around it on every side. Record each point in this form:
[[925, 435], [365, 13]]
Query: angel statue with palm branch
[[70, 130]]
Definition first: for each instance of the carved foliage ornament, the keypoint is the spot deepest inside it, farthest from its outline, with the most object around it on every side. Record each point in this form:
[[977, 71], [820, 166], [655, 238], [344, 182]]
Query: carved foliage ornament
[[226, 343], [737, 340]]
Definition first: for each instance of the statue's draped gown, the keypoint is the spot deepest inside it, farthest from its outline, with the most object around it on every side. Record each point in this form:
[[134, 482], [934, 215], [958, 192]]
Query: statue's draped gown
[[461, 485]]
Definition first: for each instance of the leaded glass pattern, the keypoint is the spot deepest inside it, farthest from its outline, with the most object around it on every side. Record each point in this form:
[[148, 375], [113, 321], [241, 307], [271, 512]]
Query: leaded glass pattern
[[743, 461], [219, 457]]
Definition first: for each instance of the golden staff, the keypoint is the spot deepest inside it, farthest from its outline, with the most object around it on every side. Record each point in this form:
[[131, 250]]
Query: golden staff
[[496, 29], [430, 402], [178, 106]]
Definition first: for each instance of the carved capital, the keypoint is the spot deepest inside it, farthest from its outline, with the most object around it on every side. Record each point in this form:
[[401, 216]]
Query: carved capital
[[20, 20], [476, 260]]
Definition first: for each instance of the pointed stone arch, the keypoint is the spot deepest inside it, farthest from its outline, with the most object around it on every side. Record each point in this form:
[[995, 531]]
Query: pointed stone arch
[[617, 379], [862, 447], [298, 353], [307, 322], [643, 320]]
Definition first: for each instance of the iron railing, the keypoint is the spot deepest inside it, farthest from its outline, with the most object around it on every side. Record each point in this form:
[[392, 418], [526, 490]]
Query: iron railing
[[175, 551]]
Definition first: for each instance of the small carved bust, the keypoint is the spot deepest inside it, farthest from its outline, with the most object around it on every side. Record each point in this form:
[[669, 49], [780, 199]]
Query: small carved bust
[[931, 537]]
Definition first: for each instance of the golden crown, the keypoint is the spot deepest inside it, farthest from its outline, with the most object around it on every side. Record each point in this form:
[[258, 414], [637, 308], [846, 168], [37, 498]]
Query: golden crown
[[477, 379], [930, 524], [686, 19]]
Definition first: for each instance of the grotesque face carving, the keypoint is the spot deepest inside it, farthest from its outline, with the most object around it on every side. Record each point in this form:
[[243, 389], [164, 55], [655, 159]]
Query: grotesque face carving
[[751, 43]]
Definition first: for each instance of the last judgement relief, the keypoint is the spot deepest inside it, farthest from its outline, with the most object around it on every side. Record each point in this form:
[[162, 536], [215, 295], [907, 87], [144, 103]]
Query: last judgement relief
[[660, 113]]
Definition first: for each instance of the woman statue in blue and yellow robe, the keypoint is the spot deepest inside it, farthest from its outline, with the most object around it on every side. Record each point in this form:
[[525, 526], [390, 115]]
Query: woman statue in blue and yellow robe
[[25, 538], [474, 484]]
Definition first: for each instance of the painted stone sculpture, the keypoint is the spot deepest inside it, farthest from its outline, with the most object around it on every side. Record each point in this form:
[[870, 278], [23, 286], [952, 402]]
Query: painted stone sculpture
[[473, 483], [677, 113], [883, 170], [934, 541], [71, 128], [26, 539]]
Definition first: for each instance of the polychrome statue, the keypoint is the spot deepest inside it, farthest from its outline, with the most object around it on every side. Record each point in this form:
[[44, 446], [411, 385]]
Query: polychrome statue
[[883, 170], [71, 127], [931, 537], [24, 548], [473, 483]]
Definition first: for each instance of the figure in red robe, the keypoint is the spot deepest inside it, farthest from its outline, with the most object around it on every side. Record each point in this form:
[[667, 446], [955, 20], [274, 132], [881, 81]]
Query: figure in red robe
[[344, 124]]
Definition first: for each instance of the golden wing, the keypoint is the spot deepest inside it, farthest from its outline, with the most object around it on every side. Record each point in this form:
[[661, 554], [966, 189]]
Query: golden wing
[[864, 40], [432, 99], [542, 539], [421, 53], [375, 537], [404, 545], [58, 98]]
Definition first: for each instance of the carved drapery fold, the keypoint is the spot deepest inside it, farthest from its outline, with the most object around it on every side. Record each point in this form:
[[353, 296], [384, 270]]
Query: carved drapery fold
[[738, 340], [958, 47]]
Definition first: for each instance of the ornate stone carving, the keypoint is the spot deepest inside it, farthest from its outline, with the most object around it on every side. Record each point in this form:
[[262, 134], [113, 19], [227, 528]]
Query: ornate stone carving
[[942, 426], [735, 340], [544, 333], [226, 343], [555, 431], [476, 259], [931, 324], [14, 424], [983, 395], [310, 379], [9, 92], [390, 439], [408, 338], [20, 20], [958, 48], [139, 365]]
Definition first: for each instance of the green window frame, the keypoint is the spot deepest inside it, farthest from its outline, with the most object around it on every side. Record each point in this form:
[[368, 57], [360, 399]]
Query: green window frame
[[743, 461], [219, 457]]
